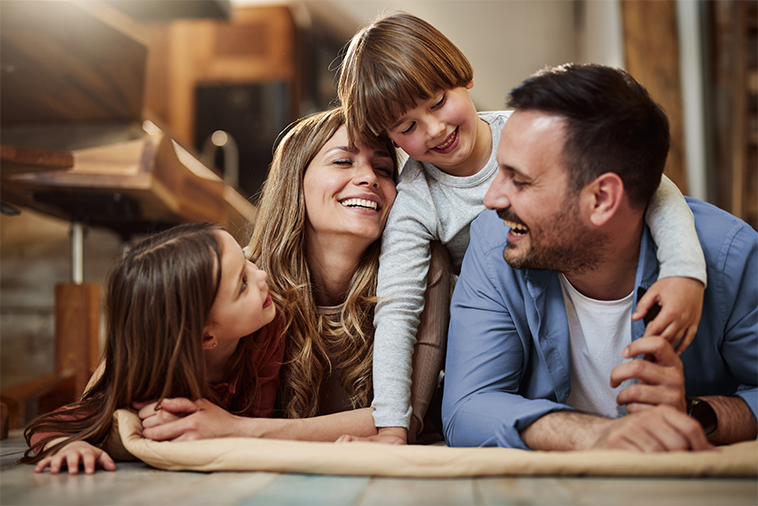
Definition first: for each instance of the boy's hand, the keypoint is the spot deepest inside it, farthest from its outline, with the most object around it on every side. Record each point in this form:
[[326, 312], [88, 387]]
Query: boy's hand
[[386, 435], [681, 301], [73, 454]]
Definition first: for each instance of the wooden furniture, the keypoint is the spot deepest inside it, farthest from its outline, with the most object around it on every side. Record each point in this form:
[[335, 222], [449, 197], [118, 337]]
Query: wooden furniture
[[77, 145], [733, 80], [651, 51]]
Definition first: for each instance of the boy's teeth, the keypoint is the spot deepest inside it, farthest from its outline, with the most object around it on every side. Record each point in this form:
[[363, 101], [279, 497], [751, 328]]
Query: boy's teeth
[[516, 228], [368, 204], [448, 143]]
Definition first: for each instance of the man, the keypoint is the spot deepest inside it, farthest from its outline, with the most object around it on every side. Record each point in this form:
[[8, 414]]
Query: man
[[541, 350]]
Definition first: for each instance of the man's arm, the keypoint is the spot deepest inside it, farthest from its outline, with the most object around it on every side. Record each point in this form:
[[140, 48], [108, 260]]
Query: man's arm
[[736, 421], [657, 429]]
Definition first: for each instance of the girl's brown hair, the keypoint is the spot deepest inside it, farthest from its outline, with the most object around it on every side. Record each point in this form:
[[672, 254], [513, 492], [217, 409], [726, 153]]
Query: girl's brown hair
[[278, 247], [389, 65], [158, 301]]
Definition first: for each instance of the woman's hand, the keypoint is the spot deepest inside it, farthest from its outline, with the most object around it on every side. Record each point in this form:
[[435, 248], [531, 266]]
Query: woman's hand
[[681, 302], [185, 420], [74, 454]]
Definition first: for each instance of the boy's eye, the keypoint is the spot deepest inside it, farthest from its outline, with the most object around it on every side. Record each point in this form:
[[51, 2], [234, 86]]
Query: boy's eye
[[440, 102], [409, 129]]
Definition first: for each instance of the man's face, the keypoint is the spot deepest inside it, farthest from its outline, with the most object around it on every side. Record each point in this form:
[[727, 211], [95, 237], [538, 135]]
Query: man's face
[[531, 194]]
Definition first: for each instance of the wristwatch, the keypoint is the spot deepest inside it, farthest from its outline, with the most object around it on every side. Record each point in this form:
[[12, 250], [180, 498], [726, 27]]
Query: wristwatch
[[703, 412]]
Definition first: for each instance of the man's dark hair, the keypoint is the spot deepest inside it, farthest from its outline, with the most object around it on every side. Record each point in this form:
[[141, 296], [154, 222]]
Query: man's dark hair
[[612, 125]]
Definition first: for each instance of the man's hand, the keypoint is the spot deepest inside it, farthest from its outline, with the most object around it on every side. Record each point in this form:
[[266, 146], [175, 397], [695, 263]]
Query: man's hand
[[185, 420], [681, 301], [386, 435], [658, 429], [74, 454], [660, 376]]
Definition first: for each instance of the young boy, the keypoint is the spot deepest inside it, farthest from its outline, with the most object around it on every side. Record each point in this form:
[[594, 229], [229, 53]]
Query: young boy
[[403, 78]]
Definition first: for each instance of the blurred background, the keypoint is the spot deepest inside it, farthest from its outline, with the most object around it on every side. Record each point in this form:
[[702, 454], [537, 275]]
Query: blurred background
[[122, 117]]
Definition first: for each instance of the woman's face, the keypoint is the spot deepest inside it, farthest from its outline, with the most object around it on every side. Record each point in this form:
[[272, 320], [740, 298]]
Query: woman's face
[[348, 193]]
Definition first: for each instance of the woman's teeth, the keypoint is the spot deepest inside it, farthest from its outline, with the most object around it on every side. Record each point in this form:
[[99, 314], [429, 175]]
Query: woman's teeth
[[517, 228], [368, 204]]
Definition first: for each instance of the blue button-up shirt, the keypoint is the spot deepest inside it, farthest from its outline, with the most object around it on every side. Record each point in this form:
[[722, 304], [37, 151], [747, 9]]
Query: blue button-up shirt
[[509, 357]]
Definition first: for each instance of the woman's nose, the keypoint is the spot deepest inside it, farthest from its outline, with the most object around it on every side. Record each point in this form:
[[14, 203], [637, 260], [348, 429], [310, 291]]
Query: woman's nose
[[365, 175]]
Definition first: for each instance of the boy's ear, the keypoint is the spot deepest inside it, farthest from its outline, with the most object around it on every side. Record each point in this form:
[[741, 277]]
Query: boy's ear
[[470, 85]]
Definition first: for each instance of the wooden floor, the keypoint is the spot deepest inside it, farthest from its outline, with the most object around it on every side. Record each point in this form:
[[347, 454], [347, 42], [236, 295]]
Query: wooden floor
[[139, 484]]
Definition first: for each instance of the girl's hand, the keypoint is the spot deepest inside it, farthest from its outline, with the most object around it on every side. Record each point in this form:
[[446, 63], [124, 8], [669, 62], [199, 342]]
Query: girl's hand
[[681, 301], [193, 420], [74, 454], [153, 415]]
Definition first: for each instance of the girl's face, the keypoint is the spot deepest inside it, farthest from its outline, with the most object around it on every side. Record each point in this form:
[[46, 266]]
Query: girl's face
[[243, 304], [348, 193]]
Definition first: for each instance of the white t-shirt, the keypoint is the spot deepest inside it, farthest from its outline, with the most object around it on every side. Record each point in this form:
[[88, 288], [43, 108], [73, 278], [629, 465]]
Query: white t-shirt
[[599, 330]]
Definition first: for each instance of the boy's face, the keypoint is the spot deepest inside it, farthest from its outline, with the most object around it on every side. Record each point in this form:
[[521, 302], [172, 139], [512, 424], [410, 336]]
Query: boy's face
[[445, 130]]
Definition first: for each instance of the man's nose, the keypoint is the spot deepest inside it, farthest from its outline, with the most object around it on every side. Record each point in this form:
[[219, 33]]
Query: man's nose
[[497, 197]]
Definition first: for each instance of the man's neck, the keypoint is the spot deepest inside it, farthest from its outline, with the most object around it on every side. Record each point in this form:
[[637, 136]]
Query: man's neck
[[613, 275]]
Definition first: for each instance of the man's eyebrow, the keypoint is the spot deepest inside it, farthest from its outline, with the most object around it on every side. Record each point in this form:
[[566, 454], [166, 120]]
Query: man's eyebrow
[[514, 170]]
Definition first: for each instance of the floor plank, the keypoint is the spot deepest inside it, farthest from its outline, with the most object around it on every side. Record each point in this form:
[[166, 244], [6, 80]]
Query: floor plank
[[308, 489], [399, 491]]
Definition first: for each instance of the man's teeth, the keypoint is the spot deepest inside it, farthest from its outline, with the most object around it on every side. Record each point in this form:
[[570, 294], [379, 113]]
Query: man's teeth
[[368, 204], [516, 228]]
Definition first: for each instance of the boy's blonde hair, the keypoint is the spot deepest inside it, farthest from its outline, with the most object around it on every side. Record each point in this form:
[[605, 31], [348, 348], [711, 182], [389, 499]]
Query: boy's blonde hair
[[389, 65]]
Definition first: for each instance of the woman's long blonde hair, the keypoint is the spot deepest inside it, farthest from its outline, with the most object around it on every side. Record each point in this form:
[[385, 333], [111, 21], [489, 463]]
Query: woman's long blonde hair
[[315, 344]]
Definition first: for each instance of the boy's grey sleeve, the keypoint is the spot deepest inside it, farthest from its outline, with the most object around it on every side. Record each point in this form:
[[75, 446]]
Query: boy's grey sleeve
[[673, 229], [403, 269]]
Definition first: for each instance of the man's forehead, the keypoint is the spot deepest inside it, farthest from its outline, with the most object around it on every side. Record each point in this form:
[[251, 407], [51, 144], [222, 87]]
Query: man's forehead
[[530, 134]]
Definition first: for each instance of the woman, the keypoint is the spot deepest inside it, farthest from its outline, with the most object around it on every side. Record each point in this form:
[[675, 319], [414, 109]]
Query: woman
[[318, 234]]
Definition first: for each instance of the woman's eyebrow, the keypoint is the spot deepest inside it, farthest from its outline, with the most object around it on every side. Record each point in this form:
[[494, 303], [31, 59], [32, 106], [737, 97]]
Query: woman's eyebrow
[[343, 148]]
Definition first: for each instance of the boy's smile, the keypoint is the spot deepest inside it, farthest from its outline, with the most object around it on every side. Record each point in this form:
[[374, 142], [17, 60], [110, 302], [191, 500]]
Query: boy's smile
[[445, 130]]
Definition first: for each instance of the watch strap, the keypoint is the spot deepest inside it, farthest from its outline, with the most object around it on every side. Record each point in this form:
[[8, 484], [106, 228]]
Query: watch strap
[[703, 412]]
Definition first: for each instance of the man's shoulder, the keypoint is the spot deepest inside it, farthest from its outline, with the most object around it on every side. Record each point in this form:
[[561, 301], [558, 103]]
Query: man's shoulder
[[488, 229], [714, 225]]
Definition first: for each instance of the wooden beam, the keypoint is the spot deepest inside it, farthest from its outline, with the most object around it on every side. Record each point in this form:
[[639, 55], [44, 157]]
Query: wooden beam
[[651, 50]]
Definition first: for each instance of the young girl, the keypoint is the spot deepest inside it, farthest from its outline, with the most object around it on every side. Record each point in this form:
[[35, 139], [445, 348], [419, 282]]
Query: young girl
[[187, 316], [402, 78]]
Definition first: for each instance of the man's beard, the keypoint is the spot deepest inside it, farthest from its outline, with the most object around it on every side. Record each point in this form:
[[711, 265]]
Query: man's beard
[[564, 244]]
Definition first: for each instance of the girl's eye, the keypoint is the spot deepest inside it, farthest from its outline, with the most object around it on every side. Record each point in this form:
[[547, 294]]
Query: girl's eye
[[243, 287]]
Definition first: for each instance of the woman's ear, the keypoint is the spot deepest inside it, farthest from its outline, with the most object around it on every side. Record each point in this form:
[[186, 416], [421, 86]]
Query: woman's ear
[[605, 193]]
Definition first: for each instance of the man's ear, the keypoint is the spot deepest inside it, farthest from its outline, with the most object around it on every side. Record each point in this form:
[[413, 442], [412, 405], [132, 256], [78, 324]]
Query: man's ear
[[604, 196]]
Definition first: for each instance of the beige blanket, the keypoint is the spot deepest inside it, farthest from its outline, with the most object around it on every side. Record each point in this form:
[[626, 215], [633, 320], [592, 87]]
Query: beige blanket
[[367, 459]]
